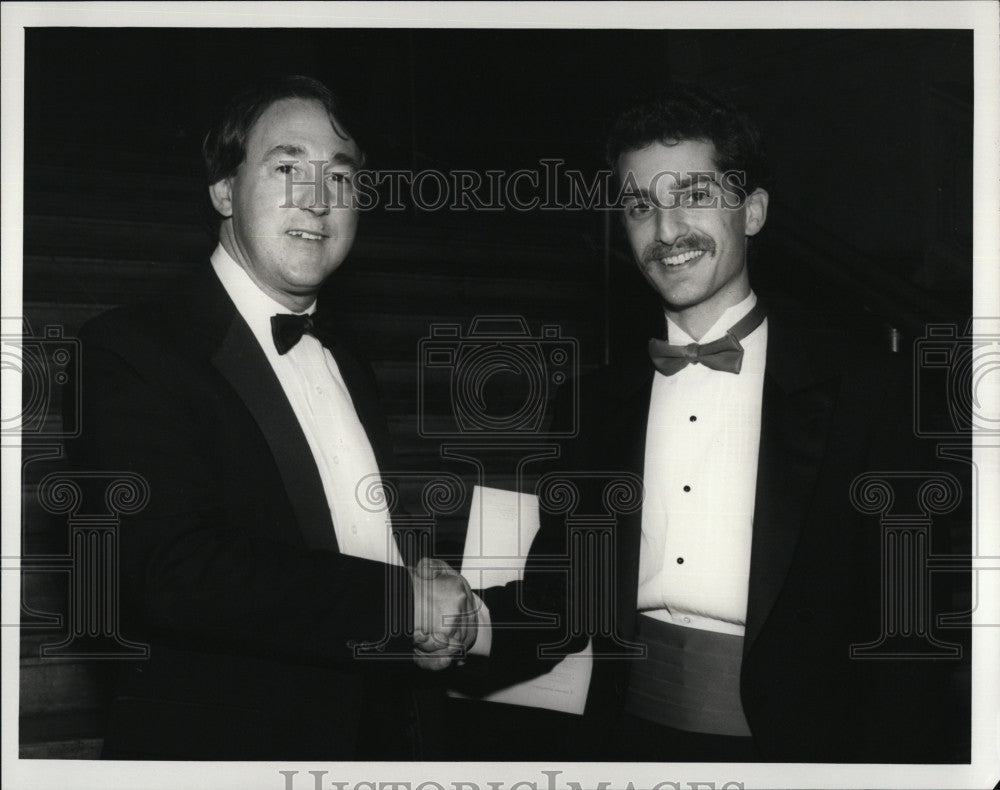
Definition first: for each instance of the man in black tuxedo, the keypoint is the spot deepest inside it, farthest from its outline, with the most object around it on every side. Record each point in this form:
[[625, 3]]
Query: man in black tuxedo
[[737, 588], [270, 588]]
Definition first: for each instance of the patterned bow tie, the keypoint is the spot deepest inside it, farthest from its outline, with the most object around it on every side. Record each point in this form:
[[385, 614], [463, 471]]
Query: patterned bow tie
[[287, 330], [726, 353]]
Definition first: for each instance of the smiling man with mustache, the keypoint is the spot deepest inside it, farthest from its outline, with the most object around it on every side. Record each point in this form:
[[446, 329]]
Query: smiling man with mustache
[[736, 591], [689, 242]]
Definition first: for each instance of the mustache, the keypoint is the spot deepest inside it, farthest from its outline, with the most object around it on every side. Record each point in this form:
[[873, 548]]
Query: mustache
[[658, 249]]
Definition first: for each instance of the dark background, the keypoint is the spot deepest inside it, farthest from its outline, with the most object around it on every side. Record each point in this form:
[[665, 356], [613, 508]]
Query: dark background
[[869, 135]]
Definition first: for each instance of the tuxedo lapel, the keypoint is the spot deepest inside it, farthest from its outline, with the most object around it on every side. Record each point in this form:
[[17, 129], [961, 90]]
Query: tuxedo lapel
[[799, 393], [629, 417], [240, 359]]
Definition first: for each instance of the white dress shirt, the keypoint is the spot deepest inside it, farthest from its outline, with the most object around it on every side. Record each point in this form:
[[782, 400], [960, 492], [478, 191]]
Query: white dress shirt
[[700, 485], [312, 382]]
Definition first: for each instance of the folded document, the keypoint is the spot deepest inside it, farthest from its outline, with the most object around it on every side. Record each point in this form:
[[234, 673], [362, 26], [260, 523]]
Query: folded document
[[502, 525]]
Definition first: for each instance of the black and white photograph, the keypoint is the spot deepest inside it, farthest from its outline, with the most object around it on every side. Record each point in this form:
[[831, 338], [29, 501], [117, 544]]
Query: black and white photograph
[[505, 395]]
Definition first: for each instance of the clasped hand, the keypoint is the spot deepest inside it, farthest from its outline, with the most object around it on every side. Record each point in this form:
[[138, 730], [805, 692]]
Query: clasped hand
[[444, 617]]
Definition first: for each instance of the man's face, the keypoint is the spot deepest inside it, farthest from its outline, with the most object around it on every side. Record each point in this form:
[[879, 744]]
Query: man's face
[[289, 239], [686, 231]]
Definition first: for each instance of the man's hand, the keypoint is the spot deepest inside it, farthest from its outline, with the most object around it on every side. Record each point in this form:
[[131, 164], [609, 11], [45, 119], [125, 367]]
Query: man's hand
[[444, 617]]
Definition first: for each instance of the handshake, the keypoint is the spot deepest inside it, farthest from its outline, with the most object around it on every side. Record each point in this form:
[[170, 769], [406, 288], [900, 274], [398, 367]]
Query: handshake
[[445, 615]]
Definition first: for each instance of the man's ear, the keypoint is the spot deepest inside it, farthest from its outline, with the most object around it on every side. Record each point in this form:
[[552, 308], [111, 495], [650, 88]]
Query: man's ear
[[756, 211], [221, 193]]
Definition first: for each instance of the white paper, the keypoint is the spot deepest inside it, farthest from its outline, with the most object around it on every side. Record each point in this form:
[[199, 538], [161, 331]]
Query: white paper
[[502, 525]]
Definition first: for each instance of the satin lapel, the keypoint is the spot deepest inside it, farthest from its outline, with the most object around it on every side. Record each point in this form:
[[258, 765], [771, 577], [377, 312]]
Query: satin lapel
[[242, 362], [798, 402]]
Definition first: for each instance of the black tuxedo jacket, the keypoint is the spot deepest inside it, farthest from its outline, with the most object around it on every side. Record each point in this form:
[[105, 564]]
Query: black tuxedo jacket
[[833, 408], [231, 572]]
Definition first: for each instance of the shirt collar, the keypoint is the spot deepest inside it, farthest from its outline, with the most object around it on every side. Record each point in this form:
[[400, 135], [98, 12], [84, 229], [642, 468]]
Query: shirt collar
[[730, 316], [249, 298], [251, 302]]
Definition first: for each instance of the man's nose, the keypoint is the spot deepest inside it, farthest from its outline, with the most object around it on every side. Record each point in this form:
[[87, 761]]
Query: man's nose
[[312, 194], [313, 198], [671, 225]]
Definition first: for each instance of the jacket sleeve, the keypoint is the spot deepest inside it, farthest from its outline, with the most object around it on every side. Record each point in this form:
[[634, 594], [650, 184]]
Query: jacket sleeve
[[194, 570], [912, 695], [531, 618]]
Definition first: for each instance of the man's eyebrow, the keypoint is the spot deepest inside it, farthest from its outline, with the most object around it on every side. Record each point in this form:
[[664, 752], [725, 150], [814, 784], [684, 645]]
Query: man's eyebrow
[[638, 192], [286, 150], [340, 158], [298, 152], [695, 179]]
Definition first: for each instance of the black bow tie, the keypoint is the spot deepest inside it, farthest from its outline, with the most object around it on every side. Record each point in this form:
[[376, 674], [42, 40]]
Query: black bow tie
[[287, 330], [726, 353]]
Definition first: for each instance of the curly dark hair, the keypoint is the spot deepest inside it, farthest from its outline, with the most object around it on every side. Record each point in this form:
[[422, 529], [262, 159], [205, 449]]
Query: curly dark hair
[[685, 111]]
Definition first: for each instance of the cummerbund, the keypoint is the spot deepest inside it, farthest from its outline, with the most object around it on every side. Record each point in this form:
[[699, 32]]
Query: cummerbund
[[689, 680]]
